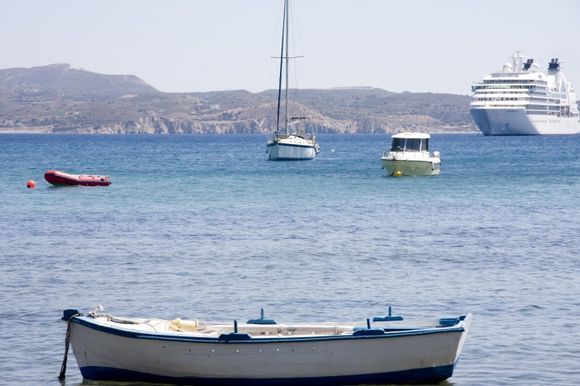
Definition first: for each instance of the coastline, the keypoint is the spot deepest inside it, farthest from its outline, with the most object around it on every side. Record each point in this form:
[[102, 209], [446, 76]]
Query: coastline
[[48, 131], [26, 130]]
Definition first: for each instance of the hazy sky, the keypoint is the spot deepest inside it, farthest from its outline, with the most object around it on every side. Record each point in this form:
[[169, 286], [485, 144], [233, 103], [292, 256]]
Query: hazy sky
[[202, 45]]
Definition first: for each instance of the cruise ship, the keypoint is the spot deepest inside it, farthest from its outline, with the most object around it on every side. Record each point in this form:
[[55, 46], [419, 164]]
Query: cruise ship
[[524, 100]]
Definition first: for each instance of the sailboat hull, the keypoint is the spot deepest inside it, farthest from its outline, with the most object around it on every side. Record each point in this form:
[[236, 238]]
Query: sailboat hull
[[292, 148]]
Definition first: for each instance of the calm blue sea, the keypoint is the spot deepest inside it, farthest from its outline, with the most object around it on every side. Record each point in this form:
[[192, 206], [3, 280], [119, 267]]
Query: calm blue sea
[[205, 227]]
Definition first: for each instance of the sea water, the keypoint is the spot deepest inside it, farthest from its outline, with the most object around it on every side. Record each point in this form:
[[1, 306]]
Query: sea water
[[205, 227]]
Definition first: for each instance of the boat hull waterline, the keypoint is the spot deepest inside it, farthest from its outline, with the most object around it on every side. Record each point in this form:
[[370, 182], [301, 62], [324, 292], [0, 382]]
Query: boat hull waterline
[[410, 167], [108, 352], [56, 177]]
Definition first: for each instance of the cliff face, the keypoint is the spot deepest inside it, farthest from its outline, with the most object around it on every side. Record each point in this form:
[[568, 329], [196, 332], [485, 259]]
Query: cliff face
[[60, 99], [165, 125], [258, 120]]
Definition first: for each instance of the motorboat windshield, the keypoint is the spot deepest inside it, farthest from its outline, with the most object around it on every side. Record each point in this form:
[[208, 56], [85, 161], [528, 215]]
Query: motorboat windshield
[[410, 144]]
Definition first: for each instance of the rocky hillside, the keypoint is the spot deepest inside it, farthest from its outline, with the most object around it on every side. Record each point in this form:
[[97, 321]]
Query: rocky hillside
[[60, 80], [60, 99], [377, 110]]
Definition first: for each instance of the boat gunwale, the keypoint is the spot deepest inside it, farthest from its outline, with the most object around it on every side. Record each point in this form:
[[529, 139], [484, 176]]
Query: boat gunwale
[[86, 321]]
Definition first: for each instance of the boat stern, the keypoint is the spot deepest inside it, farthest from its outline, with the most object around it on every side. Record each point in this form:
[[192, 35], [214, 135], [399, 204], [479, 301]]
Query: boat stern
[[292, 148]]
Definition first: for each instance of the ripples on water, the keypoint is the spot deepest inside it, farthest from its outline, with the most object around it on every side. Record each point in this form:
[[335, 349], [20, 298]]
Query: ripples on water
[[205, 227]]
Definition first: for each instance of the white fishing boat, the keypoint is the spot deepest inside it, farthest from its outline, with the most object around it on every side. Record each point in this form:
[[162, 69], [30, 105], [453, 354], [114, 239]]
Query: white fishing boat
[[289, 142], [263, 351], [410, 156]]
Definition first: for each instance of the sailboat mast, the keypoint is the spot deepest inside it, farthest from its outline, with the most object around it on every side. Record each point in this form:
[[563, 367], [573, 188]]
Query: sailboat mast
[[286, 59], [281, 68]]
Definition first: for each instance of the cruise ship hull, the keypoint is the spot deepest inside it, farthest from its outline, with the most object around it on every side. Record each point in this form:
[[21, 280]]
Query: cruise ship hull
[[517, 122]]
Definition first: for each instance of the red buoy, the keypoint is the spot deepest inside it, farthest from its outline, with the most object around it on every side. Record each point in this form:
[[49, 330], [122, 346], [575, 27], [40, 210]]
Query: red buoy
[[31, 184]]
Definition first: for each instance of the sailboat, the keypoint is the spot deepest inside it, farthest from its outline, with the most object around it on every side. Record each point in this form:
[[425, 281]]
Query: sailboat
[[287, 144]]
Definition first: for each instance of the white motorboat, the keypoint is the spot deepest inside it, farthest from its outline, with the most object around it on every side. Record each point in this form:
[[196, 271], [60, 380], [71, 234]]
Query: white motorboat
[[287, 143], [264, 352], [410, 156], [521, 99]]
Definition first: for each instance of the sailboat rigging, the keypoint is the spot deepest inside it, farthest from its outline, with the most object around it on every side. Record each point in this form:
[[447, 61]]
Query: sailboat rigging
[[288, 145]]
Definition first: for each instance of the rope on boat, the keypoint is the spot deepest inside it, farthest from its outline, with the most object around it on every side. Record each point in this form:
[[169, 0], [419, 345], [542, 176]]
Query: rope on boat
[[62, 374]]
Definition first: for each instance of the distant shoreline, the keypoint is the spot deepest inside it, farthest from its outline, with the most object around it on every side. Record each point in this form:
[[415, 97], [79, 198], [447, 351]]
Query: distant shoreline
[[25, 130], [47, 132]]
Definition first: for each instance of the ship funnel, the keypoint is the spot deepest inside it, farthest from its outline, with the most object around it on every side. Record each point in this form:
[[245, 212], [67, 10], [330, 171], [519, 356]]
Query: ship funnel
[[517, 61], [554, 65], [528, 64]]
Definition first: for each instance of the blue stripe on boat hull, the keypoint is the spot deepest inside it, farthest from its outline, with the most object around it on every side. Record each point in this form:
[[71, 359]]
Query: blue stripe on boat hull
[[289, 145], [426, 375], [293, 159]]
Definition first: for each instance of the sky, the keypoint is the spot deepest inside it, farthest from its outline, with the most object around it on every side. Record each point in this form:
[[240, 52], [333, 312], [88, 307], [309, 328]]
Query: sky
[[438, 46]]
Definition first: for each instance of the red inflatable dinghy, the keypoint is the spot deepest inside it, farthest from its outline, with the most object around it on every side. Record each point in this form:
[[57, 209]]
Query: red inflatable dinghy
[[60, 178]]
